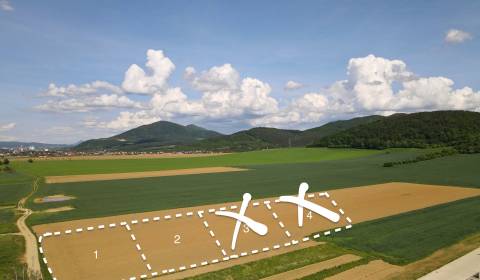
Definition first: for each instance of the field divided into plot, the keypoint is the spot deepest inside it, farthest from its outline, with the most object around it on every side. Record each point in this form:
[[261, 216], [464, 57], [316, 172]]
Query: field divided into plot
[[275, 156], [204, 238], [262, 180]]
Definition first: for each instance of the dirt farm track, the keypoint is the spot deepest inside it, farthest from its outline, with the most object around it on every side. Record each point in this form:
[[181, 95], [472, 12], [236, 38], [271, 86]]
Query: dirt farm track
[[187, 241]]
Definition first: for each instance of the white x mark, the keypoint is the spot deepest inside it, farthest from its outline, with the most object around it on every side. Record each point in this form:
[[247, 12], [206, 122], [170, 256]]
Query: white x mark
[[257, 227], [301, 202]]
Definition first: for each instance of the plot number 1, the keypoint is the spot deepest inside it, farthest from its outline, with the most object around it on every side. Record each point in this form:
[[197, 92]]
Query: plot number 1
[[96, 254]]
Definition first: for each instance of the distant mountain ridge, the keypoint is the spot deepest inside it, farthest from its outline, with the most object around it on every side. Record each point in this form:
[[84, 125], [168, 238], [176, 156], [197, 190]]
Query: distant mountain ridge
[[267, 137], [147, 137], [165, 135]]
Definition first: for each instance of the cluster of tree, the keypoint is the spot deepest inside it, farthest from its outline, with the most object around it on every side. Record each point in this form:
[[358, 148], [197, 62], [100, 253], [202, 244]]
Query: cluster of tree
[[458, 129], [469, 145], [443, 153], [7, 167]]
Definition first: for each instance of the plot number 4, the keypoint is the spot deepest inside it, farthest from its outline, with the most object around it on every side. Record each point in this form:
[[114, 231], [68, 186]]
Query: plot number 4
[[309, 215]]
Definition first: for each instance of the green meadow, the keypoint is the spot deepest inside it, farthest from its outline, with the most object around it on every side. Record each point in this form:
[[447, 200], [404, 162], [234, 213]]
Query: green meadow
[[411, 236], [106, 198], [273, 156], [14, 186], [11, 251]]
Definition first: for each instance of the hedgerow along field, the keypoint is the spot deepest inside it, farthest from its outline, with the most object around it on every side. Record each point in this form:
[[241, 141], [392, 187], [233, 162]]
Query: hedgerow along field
[[273, 156], [106, 198]]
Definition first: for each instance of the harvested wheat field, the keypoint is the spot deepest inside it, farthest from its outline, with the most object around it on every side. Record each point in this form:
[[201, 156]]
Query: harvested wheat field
[[136, 175], [180, 241]]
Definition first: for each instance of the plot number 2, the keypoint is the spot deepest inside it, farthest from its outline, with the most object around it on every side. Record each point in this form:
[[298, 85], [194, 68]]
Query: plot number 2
[[176, 239]]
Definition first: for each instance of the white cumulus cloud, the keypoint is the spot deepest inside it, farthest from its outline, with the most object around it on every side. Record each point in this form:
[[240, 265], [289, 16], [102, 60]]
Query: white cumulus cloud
[[217, 78], [8, 126], [292, 85], [76, 90], [369, 89], [456, 36], [6, 6], [159, 69], [88, 103], [225, 94], [373, 85]]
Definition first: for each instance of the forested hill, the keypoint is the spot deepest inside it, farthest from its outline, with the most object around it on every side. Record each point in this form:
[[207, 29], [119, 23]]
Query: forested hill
[[147, 137], [266, 137], [459, 129]]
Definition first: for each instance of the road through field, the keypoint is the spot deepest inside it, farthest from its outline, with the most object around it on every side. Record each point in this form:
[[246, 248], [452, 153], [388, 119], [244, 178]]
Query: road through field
[[461, 268], [31, 251]]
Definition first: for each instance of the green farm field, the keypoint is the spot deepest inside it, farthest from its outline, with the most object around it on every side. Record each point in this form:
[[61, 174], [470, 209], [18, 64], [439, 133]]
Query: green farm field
[[408, 237], [14, 186], [12, 247], [273, 156], [106, 198], [271, 174]]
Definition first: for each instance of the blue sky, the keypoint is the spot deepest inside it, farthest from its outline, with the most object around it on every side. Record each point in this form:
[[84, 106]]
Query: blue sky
[[308, 42]]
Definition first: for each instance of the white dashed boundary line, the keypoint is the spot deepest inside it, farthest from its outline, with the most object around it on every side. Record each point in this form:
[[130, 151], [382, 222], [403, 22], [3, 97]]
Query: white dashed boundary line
[[137, 246], [201, 215]]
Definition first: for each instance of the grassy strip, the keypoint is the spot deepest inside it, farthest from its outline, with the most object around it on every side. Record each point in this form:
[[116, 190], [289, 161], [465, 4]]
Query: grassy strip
[[335, 270], [274, 156], [8, 217], [408, 237], [277, 264], [11, 251]]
